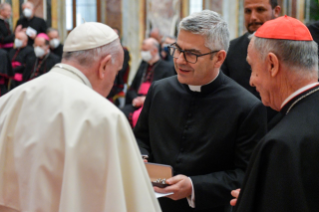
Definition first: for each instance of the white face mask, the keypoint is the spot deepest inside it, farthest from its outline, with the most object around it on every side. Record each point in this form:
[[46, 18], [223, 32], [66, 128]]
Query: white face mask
[[146, 56], [39, 52], [18, 43], [27, 13], [54, 43]]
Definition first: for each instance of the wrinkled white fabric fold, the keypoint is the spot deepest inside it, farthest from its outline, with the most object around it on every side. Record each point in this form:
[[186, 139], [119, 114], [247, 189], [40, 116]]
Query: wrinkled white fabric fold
[[63, 147]]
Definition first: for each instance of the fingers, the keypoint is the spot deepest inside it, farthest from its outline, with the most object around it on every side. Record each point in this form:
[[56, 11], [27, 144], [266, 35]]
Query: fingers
[[168, 189], [175, 179], [233, 202], [235, 193]]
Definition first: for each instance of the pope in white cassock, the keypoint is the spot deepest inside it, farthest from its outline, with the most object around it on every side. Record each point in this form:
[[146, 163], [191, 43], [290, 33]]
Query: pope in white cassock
[[63, 146]]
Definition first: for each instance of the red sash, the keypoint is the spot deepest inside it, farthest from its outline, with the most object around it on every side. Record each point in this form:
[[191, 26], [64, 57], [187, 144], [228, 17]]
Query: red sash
[[15, 64], [145, 86], [135, 116], [2, 82], [6, 45], [18, 77]]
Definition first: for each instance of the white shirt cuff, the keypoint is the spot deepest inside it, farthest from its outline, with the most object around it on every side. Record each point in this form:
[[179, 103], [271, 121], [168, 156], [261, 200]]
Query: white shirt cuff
[[191, 199]]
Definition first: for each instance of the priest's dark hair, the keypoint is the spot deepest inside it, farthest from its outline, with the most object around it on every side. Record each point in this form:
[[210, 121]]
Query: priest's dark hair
[[298, 55], [209, 24], [273, 3]]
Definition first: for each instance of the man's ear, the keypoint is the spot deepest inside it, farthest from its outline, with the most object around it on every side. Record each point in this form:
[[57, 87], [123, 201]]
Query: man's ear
[[273, 64], [104, 62], [221, 55], [277, 10]]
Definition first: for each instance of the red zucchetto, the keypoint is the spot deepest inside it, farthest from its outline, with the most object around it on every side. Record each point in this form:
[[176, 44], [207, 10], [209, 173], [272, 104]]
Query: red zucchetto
[[284, 28]]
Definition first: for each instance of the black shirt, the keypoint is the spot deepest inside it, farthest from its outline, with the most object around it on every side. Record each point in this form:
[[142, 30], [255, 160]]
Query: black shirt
[[36, 23]]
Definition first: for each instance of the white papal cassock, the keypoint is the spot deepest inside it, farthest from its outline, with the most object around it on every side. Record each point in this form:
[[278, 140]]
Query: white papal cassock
[[63, 147]]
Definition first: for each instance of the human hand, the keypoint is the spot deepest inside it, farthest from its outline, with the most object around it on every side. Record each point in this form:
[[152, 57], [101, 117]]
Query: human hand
[[234, 193], [180, 185], [18, 29], [138, 101], [32, 36]]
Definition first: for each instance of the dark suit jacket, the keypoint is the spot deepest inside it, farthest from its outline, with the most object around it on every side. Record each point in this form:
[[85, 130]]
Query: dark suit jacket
[[237, 68], [208, 136], [283, 172], [314, 30], [162, 70]]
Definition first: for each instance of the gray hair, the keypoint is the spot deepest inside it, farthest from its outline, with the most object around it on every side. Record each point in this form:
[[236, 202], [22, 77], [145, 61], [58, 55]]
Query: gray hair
[[88, 57], [50, 29], [299, 55], [210, 24], [3, 5]]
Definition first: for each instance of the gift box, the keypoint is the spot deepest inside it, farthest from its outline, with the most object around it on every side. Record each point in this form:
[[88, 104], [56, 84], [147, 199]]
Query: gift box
[[159, 173]]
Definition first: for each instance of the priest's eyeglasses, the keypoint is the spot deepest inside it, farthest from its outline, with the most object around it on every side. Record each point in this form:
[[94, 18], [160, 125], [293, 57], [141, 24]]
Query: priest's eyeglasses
[[190, 57]]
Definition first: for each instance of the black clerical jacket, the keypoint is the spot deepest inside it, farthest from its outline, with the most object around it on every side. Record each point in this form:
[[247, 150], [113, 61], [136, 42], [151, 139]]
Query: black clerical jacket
[[5, 71], [5, 33], [41, 66], [208, 136], [283, 174], [26, 57], [36, 23], [162, 69]]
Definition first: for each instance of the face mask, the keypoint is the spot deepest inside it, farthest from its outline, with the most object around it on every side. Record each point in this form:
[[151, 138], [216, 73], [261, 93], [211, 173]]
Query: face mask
[[54, 43], [39, 52], [18, 43], [27, 13], [146, 56]]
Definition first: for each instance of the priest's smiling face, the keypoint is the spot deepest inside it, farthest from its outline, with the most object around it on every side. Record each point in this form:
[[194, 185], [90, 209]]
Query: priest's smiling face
[[205, 69]]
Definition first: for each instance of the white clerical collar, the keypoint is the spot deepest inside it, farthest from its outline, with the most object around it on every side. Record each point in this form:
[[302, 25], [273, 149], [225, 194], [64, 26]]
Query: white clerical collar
[[299, 91], [198, 88]]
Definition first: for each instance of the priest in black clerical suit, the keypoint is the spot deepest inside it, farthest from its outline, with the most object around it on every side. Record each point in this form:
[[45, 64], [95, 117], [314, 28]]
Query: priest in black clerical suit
[[200, 122], [30, 20], [5, 72], [55, 42], [6, 36], [283, 171], [22, 58], [45, 60], [235, 65]]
